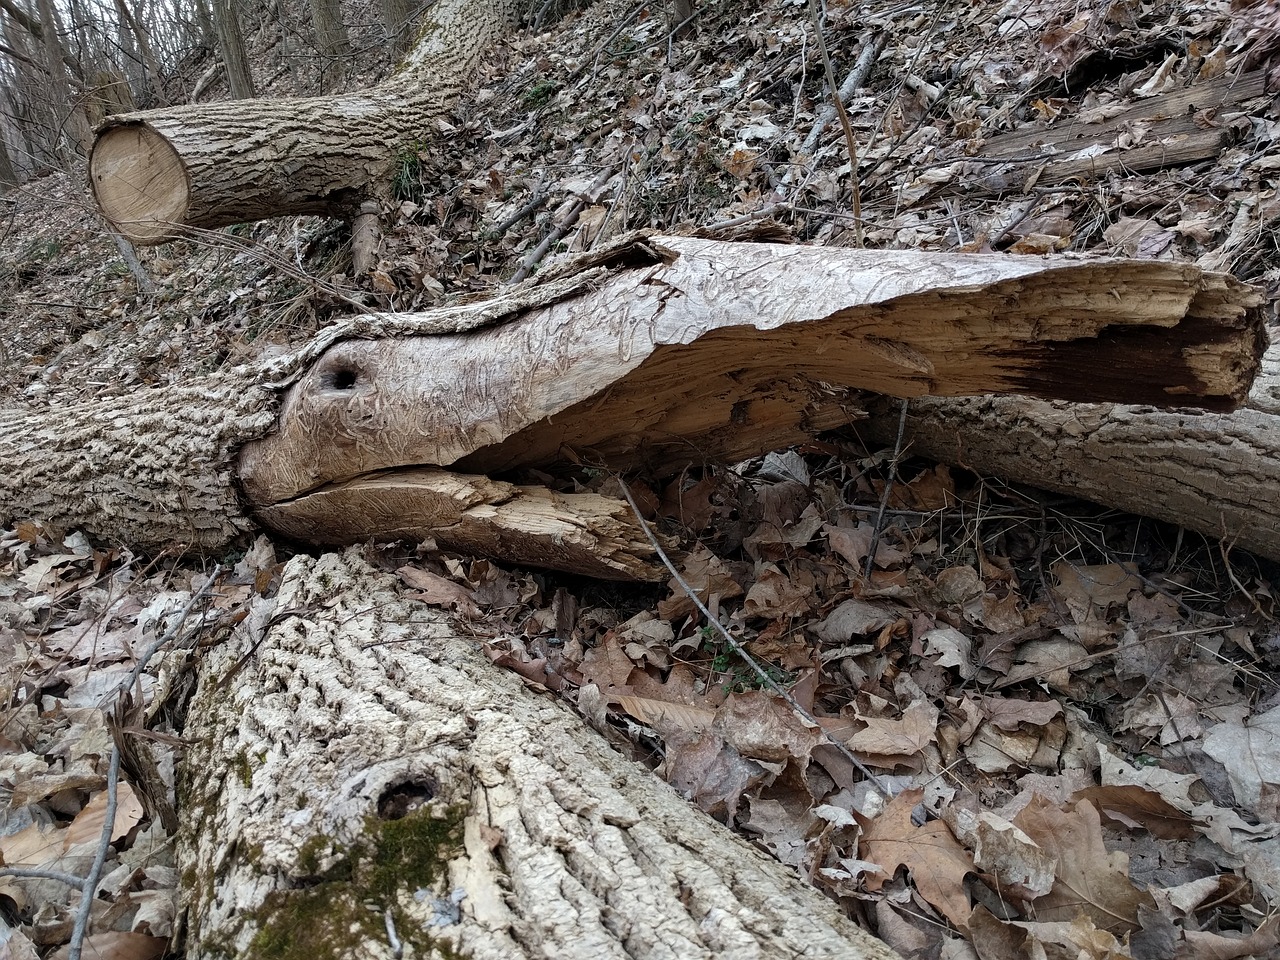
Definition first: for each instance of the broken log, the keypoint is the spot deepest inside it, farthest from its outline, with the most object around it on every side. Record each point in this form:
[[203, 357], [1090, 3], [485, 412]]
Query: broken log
[[656, 353], [718, 351], [1170, 130], [1217, 474], [385, 786], [156, 174]]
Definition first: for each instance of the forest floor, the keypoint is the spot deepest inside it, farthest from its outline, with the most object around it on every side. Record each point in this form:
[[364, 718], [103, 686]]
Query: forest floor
[[1084, 704]]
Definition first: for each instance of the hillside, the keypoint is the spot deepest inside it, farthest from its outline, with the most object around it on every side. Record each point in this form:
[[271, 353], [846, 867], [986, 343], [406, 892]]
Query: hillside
[[1001, 656]]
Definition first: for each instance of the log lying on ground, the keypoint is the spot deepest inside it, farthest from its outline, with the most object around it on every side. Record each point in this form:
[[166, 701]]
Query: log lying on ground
[[157, 173], [655, 353], [385, 784], [1213, 473], [722, 350], [529, 525]]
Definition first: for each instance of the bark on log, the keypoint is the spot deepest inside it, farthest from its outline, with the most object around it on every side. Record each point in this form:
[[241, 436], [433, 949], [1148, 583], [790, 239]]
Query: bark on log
[[723, 350], [1217, 474], [659, 353], [157, 173], [359, 772]]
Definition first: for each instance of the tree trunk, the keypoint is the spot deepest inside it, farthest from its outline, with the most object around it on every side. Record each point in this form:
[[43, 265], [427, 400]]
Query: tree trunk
[[331, 32], [70, 110], [205, 166], [361, 777], [654, 353], [235, 58], [397, 17], [1217, 474]]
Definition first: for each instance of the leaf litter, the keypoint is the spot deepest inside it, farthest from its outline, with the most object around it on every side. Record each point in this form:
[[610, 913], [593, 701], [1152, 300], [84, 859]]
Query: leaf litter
[[1073, 712]]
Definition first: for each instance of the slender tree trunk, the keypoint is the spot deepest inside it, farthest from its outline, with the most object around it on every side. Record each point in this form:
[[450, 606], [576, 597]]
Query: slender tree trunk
[[8, 176], [331, 32], [73, 121], [132, 31], [235, 58], [397, 17]]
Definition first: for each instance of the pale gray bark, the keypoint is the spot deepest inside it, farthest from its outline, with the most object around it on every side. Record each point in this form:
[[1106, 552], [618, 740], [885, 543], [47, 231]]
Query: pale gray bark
[[1217, 474], [235, 58], [339, 701], [159, 463]]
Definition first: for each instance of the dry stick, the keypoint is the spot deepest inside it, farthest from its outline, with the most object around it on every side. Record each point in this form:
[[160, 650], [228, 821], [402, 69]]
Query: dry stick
[[95, 872], [838, 101], [90, 883], [888, 487], [130, 257], [570, 218], [749, 660], [538, 200], [35, 873]]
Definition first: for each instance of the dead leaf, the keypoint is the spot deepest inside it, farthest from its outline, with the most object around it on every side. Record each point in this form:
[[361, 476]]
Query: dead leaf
[[937, 863], [1089, 880]]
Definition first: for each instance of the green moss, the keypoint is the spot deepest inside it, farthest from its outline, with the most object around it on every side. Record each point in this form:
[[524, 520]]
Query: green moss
[[541, 92], [343, 905], [243, 770]]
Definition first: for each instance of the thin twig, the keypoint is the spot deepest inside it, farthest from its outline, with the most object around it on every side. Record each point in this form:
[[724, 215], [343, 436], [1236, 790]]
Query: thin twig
[[538, 200], [851, 143], [36, 873], [95, 872], [749, 660], [888, 487], [560, 229]]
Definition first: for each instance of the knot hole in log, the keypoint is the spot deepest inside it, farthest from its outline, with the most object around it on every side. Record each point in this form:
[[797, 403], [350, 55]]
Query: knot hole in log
[[402, 799]]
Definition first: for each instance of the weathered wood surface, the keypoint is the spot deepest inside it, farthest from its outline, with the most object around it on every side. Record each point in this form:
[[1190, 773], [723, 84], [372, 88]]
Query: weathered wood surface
[[1169, 130], [722, 350], [530, 525], [530, 836], [1218, 474], [157, 173], [661, 352]]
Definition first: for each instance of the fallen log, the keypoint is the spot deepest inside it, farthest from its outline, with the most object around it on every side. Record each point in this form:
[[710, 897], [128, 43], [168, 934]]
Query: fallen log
[[156, 174], [389, 793], [1217, 474], [656, 353]]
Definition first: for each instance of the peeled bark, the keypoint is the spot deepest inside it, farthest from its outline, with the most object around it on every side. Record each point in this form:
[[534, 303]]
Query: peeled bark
[[158, 173], [379, 779], [1217, 474], [723, 350], [656, 353]]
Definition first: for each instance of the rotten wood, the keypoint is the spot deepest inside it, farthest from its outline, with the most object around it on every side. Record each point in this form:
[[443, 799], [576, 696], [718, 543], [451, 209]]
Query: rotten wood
[[1170, 130]]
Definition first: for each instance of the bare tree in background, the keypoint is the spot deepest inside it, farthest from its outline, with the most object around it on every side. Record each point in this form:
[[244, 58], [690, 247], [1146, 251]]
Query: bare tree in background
[[331, 32], [397, 16], [226, 22]]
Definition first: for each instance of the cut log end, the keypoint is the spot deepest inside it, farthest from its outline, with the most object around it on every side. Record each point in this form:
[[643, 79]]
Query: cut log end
[[140, 183]]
